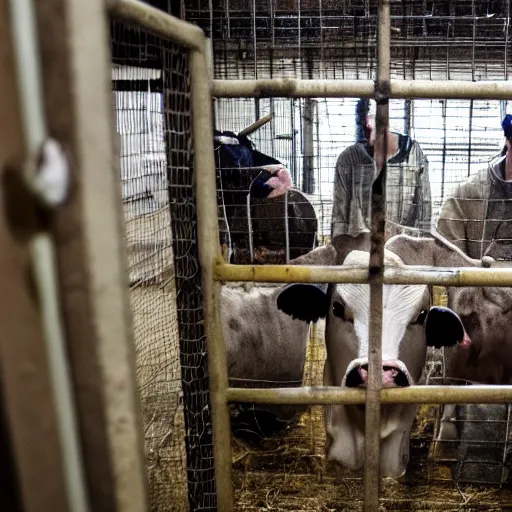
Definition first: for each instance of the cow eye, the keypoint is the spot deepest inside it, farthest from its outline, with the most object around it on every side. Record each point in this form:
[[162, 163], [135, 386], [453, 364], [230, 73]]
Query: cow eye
[[420, 320], [338, 309]]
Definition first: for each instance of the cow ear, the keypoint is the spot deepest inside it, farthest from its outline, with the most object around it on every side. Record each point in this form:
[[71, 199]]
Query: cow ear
[[306, 302], [443, 328]]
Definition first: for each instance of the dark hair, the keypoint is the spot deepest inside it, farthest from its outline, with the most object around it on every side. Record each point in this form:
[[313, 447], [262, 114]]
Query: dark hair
[[504, 150]]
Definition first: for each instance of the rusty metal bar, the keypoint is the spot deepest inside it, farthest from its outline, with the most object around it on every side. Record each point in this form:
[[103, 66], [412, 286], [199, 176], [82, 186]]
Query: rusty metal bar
[[401, 89], [158, 22], [334, 395], [209, 250], [376, 269], [440, 276], [256, 125]]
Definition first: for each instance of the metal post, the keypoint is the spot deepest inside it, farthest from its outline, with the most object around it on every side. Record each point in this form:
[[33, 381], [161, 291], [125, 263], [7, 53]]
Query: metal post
[[209, 250], [376, 270], [307, 147]]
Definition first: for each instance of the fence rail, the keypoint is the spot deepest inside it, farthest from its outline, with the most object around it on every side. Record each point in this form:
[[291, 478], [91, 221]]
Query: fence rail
[[333, 395], [395, 89]]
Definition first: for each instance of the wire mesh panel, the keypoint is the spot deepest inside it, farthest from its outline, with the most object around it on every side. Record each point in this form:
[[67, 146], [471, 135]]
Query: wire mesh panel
[[462, 40], [152, 96]]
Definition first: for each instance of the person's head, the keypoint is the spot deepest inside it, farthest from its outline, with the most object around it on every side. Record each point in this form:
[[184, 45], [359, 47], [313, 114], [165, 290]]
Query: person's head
[[506, 124], [366, 111]]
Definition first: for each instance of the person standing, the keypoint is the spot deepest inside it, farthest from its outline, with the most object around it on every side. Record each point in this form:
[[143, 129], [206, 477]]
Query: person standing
[[408, 199], [477, 217]]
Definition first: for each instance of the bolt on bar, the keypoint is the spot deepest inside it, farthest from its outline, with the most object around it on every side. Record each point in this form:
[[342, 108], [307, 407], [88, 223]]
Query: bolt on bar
[[399, 89], [333, 395], [209, 249], [409, 274]]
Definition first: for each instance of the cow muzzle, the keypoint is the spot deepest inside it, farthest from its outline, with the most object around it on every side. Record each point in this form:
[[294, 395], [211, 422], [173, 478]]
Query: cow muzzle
[[394, 374]]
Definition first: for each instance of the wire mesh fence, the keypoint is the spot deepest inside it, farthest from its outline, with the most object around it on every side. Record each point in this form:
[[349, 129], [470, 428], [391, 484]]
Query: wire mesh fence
[[152, 95]]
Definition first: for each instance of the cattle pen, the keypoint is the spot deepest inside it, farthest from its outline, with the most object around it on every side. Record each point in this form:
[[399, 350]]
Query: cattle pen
[[131, 381]]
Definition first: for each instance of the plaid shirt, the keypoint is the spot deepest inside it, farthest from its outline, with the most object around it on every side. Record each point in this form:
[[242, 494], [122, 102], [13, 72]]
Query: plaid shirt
[[408, 200]]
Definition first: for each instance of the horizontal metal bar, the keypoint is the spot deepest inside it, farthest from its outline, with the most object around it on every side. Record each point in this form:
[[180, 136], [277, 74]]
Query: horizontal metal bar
[[407, 89], [287, 87], [158, 22], [331, 395], [471, 276]]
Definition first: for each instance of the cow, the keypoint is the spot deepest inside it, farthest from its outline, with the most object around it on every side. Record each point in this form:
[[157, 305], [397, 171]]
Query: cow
[[265, 348], [486, 314], [410, 324], [254, 196]]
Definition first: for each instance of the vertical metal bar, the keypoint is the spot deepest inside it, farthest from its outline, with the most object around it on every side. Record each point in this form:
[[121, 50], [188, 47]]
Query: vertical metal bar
[[470, 135], [307, 146], [42, 251], [372, 418], [444, 113], [507, 25], [209, 249], [255, 59], [407, 119]]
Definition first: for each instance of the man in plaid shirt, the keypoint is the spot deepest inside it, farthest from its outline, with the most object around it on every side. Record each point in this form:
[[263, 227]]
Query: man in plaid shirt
[[408, 201]]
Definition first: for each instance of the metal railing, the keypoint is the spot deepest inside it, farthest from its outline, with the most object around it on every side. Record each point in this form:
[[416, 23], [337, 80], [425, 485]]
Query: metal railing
[[215, 270]]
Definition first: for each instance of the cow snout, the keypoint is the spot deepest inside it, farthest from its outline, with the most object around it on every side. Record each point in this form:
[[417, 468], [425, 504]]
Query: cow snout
[[393, 375]]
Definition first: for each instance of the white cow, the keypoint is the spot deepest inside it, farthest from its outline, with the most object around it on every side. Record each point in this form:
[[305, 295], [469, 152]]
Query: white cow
[[266, 348], [409, 325]]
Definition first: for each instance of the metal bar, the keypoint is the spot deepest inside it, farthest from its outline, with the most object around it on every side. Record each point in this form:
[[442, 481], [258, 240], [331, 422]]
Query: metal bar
[[157, 22], [209, 250], [440, 276], [332, 395], [376, 270], [401, 89], [256, 125], [43, 256], [285, 87]]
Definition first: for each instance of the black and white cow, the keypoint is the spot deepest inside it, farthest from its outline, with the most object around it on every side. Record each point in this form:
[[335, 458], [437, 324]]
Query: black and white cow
[[410, 324]]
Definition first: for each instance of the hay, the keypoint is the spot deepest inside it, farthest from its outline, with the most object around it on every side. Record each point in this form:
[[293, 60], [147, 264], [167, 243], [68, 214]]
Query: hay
[[153, 306], [290, 473], [159, 383]]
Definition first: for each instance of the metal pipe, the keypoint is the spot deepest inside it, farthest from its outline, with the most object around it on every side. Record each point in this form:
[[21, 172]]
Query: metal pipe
[[209, 250], [440, 276], [376, 270], [332, 395], [42, 251], [287, 87], [256, 125], [158, 22], [401, 89]]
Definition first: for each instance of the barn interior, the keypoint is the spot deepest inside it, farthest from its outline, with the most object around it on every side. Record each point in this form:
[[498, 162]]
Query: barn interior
[[307, 39]]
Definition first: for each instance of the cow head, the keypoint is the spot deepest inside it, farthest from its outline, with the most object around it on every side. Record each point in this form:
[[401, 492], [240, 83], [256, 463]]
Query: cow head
[[409, 325]]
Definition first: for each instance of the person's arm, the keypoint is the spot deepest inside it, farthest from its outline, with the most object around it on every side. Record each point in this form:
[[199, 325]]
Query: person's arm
[[452, 221], [341, 197]]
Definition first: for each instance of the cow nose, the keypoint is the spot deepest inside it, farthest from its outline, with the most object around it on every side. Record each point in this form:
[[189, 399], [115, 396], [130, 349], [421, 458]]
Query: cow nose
[[392, 376]]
